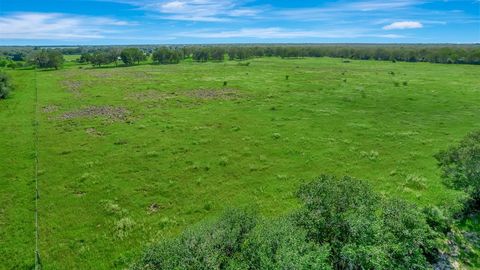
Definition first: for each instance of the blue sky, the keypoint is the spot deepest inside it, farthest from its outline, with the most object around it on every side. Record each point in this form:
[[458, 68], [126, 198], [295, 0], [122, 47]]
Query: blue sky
[[102, 22]]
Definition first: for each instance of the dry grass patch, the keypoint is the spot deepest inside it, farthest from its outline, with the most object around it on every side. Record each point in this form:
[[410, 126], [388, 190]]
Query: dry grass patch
[[211, 94], [73, 87], [49, 108], [109, 112]]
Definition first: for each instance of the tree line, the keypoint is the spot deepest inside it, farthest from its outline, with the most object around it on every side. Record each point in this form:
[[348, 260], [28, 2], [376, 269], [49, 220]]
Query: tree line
[[14, 57]]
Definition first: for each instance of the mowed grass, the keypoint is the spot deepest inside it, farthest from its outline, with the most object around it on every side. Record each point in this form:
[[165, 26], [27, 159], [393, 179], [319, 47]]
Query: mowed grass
[[131, 154]]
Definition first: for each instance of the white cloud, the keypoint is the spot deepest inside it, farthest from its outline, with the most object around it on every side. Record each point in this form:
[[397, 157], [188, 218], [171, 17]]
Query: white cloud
[[403, 25], [281, 33], [195, 10], [382, 5], [56, 26]]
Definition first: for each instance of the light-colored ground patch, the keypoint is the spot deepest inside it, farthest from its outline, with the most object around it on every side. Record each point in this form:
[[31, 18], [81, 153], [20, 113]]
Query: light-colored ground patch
[[208, 94], [109, 112]]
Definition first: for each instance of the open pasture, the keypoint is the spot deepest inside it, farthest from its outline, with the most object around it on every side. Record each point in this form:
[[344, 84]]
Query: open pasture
[[130, 154]]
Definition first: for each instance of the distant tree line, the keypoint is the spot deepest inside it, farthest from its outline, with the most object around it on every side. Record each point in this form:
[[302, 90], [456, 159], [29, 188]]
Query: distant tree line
[[128, 56], [14, 57]]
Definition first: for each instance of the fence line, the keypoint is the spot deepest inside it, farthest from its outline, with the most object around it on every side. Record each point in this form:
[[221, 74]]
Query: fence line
[[38, 264]]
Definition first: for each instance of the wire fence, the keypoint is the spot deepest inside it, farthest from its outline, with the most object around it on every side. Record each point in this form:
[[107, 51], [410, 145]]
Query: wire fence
[[38, 264]]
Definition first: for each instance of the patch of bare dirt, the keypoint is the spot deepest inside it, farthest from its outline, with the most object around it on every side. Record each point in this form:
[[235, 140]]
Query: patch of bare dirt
[[102, 75], [109, 112], [73, 87], [209, 94], [154, 207], [49, 108]]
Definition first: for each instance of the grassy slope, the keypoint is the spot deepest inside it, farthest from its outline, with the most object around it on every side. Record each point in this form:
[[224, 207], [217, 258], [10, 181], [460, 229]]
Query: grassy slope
[[17, 192], [193, 157]]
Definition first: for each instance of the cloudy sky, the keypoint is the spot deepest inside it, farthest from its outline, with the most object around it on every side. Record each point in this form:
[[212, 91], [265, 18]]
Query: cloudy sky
[[82, 22]]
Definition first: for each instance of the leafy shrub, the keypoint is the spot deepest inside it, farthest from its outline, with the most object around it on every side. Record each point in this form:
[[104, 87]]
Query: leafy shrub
[[363, 230], [461, 167], [5, 85], [282, 245], [209, 246]]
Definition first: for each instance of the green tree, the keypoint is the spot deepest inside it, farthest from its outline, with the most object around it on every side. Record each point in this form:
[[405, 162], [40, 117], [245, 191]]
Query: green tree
[[99, 58], [47, 59], [113, 55], [165, 55], [131, 56]]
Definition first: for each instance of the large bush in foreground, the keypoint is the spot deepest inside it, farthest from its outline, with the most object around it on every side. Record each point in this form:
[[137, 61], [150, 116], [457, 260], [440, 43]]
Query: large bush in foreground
[[342, 224], [209, 246], [5, 85], [461, 167], [363, 230]]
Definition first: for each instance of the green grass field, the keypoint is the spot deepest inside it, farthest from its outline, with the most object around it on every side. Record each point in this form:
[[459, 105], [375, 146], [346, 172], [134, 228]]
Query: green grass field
[[128, 155]]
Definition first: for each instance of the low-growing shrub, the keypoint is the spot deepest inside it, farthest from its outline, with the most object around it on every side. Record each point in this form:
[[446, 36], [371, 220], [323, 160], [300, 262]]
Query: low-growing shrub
[[5, 85], [460, 167], [279, 244], [363, 230], [209, 246]]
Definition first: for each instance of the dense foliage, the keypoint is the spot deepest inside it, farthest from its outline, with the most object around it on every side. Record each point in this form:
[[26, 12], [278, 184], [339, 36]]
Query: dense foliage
[[5, 85], [461, 167], [165, 55], [131, 56], [449, 54], [47, 59], [342, 224]]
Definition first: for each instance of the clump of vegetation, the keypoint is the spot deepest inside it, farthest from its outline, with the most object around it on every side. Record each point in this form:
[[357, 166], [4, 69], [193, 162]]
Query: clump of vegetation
[[47, 59], [123, 227], [371, 155], [363, 230], [280, 244], [208, 246], [131, 56], [223, 161], [342, 224], [5, 85], [415, 181], [166, 55], [461, 168]]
